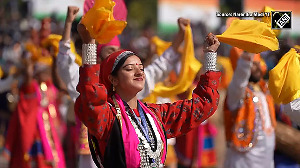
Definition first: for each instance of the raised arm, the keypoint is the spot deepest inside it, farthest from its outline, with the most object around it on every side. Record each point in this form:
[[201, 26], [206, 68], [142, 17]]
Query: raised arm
[[162, 66], [91, 106], [181, 116], [57, 80], [239, 82], [71, 15], [67, 69]]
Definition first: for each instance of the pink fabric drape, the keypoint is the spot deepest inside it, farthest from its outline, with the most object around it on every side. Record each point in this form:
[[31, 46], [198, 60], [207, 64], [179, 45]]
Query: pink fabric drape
[[130, 138]]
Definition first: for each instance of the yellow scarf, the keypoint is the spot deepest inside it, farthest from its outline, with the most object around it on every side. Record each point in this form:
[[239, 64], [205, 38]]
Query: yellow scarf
[[189, 68], [100, 22], [161, 45], [250, 35], [284, 78], [227, 71]]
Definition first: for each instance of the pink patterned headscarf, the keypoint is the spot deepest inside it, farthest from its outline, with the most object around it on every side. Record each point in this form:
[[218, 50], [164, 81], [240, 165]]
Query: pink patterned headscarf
[[114, 42]]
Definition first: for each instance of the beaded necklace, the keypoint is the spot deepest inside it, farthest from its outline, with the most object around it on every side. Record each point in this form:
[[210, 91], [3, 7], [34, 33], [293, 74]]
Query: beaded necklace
[[150, 146]]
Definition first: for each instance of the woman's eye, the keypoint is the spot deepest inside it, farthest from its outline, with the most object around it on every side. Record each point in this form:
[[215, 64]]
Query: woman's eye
[[142, 69]]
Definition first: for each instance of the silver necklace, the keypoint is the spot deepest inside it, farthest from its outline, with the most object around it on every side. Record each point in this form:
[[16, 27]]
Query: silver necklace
[[149, 158]]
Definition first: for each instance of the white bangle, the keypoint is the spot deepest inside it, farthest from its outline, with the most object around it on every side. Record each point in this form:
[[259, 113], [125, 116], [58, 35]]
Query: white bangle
[[210, 61], [89, 54]]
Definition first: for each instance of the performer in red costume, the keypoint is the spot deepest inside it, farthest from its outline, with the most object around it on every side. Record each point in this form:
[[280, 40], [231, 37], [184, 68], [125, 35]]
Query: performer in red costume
[[124, 131]]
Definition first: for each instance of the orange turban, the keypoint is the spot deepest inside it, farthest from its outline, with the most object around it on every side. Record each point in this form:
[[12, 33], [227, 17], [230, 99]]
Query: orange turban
[[235, 54]]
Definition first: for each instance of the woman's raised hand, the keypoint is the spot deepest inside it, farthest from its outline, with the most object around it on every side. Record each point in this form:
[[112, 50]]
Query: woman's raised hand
[[182, 23], [211, 43], [85, 35], [72, 13]]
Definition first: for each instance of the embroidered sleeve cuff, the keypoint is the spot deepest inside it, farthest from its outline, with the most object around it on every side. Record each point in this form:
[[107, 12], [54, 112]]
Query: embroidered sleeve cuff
[[210, 79], [89, 74]]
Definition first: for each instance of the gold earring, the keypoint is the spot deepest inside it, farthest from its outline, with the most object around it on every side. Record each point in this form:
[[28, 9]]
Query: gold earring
[[114, 89]]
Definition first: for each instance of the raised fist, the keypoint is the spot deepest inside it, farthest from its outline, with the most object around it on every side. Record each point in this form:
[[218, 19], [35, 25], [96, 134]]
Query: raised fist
[[211, 43], [182, 23], [72, 13], [84, 34]]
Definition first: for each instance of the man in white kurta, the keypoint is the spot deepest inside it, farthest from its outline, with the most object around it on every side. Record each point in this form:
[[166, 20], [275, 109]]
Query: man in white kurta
[[262, 152]]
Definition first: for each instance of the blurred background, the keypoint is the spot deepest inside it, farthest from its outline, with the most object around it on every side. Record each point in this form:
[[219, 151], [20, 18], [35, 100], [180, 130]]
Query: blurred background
[[145, 17]]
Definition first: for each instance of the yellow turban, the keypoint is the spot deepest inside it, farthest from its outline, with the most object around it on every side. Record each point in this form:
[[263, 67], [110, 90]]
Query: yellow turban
[[45, 60], [53, 40], [284, 82], [39, 54], [250, 35], [35, 51], [100, 22]]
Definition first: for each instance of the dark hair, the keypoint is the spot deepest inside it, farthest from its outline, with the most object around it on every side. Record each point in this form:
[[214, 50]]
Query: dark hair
[[120, 63]]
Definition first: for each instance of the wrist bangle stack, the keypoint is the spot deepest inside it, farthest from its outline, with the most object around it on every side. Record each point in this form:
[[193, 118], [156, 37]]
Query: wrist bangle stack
[[89, 54], [210, 61]]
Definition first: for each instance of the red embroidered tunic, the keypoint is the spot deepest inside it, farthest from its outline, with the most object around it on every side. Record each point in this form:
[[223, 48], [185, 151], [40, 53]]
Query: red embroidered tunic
[[177, 118]]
